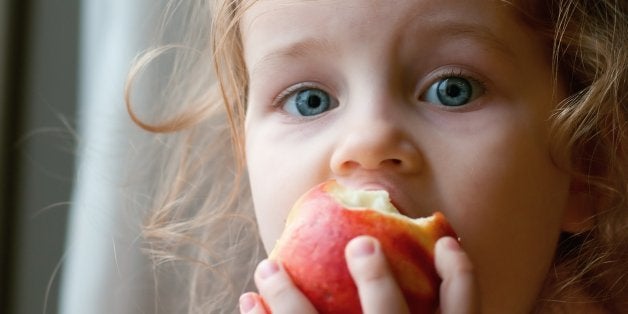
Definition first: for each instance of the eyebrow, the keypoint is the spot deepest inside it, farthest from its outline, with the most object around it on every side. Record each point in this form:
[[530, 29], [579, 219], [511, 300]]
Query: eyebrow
[[477, 31], [296, 50], [304, 48]]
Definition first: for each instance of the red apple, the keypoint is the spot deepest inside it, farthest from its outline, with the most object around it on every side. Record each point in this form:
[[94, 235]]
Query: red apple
[[322, 222]]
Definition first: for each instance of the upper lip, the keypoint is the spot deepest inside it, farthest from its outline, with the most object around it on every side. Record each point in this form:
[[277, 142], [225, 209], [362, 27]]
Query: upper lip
[[398, 197]]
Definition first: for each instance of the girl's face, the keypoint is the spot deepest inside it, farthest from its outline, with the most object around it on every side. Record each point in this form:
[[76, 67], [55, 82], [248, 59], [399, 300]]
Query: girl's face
[[445, 104]]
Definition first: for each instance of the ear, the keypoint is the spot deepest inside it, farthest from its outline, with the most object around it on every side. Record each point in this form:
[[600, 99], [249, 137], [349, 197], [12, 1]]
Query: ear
[[578, 216]]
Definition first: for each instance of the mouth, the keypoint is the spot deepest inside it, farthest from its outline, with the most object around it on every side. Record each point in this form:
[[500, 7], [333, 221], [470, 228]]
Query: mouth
[[381, 197]]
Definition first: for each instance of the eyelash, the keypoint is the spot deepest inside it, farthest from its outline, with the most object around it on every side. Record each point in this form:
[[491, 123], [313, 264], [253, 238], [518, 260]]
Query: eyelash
[[458, 73], [453, 73], [282, 97]]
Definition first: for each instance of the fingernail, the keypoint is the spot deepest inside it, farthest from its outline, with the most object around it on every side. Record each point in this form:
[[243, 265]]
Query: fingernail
[[247, 303], [362, 247], [452, 244], [267, 268]]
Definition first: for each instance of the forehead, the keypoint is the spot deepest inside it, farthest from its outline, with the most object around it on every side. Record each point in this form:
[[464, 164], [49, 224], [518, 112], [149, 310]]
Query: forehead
[[268, 24], [287, 16]]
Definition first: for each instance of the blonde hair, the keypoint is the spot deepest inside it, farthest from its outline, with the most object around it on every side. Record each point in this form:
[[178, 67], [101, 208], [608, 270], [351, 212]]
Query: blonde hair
[[202, 215], [201, 224], [589, 41]]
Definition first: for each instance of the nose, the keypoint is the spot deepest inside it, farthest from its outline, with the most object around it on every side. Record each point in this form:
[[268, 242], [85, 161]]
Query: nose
[[376, 143]]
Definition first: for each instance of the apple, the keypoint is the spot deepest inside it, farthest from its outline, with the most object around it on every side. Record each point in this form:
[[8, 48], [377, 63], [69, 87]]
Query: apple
[[324, 219]]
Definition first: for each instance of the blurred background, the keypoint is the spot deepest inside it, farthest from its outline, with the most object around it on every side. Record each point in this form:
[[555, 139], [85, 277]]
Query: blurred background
[[70, 243]]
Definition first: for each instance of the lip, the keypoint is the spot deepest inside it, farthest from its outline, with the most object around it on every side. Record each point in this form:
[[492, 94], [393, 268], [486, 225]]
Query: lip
[[401, 204], [399, 198]]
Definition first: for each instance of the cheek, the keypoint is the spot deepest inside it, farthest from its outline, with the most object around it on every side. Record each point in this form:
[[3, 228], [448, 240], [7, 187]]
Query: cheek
[[513, 198], [269, 187], [279, 172], [270, 199], [506, 200]]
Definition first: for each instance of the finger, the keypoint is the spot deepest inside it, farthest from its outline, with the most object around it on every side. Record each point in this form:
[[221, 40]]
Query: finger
[[277, 289], [252, 303], [378, 290], [458, 291]]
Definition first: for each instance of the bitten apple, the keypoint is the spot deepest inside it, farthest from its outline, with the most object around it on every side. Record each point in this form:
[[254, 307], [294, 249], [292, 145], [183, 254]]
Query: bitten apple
[[322, 222]]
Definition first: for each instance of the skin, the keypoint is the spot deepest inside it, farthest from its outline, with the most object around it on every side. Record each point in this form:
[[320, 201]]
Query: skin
[[486, 164]]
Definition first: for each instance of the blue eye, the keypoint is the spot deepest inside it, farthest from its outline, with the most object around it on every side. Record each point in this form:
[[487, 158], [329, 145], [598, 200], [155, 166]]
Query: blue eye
[[453, 91], [308, 102]]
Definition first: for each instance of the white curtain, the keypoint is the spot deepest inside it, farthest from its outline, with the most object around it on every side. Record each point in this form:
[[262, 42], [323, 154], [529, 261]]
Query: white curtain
[[105, 270]]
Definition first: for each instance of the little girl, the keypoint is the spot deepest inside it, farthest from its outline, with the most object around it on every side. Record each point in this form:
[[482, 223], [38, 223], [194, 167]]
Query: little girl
[[507, 116]]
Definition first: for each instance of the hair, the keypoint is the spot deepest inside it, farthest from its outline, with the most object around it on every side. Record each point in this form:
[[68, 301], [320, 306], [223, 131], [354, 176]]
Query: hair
[[201, 217], [589, 41]]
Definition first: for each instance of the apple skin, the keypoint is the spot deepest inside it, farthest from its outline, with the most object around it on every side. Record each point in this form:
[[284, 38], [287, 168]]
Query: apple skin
[[318, 228]]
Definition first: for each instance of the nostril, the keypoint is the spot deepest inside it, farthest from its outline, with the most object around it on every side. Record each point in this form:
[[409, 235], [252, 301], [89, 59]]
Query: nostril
[[392, 162], [349, 165], [385, 150]]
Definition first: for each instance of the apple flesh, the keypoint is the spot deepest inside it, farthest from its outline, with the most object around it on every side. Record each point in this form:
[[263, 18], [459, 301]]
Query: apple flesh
[[324, 219]]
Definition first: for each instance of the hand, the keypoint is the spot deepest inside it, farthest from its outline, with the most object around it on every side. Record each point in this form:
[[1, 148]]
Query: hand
[[377, 287], [378, 290], [279, 293], [458, 291]]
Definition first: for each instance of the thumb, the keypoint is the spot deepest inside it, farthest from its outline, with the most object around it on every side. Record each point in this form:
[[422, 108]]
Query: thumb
[[458, 291]]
